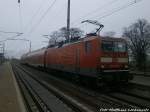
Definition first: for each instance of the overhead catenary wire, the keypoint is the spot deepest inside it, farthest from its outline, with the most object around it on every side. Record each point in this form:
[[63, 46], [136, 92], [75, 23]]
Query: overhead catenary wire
[[7, 32], [35, 15], [114, 11], [13, 37], [10, 32], [21, 24], [35, 26], [61, 9], [59, 13], [94, 11], [42, 17], [120, 8]]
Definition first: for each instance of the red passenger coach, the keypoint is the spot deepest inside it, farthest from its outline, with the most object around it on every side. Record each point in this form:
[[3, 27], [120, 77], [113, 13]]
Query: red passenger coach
[[102, 58], [35, 58]]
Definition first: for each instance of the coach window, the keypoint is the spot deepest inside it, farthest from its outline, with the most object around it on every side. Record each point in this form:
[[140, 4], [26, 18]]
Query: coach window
[[88, 47]]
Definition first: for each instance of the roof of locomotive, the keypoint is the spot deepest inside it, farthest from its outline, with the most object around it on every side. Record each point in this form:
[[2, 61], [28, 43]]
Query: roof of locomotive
[[86, 38], [112, 38]]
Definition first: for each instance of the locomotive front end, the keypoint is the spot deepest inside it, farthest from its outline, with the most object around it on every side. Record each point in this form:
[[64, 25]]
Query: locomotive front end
[[114, 60]]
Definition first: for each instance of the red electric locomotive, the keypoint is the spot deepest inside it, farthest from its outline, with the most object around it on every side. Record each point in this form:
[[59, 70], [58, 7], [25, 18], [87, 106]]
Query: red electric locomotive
[[103, 59]]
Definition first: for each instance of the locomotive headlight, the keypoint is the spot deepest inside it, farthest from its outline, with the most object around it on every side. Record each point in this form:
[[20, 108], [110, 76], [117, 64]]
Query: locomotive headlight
[[106, 59], [123, 60]]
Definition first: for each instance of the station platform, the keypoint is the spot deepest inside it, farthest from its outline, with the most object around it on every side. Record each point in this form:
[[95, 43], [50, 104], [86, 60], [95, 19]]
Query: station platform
[[142, 80], [10, 96], [139, 73]]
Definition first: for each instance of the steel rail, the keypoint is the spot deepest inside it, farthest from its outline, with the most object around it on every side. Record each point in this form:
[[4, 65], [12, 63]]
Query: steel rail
[[75, 105], [123, 101], [103, 99], [39, 103]]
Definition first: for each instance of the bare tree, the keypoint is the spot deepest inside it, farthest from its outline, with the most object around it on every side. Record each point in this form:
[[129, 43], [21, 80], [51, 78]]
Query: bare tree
[[54, 36], [63, 32], [74, 32], [138, 36]]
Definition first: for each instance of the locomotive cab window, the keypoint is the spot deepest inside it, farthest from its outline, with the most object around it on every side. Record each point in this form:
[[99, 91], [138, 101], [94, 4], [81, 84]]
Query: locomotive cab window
[[111, 46], [120, 47], [88, 47], [107, 46]]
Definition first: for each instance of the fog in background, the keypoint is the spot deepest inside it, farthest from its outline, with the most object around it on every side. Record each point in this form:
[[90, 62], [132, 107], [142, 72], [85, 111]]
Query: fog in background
[[33, 19]]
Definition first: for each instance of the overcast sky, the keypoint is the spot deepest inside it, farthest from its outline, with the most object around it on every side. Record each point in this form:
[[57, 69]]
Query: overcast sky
[[33, 19]]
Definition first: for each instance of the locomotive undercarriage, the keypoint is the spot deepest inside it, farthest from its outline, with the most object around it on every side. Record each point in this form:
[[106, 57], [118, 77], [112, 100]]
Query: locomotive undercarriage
[[113, 76], [104, 78]]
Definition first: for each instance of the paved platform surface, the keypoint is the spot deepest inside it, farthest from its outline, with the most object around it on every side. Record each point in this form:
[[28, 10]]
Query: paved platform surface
[[10, 97], [139, 73], [141, 80]]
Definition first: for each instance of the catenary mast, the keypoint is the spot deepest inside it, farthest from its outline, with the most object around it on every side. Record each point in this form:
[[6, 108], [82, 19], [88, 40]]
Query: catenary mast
[[68, 21]]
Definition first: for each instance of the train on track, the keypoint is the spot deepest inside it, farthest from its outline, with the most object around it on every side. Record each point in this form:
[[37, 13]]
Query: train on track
[[102, 59]]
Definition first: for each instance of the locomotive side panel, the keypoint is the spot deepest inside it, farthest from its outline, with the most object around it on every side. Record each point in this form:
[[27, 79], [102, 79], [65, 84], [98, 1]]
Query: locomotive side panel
[[75, 58], [63, 58], [90, 54]]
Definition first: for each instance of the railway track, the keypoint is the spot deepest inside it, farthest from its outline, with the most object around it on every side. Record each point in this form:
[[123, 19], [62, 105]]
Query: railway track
[[93, 100], [42, 99], [74, 104], [131, 99], [137, 90], [88, 101], [33, 102]]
